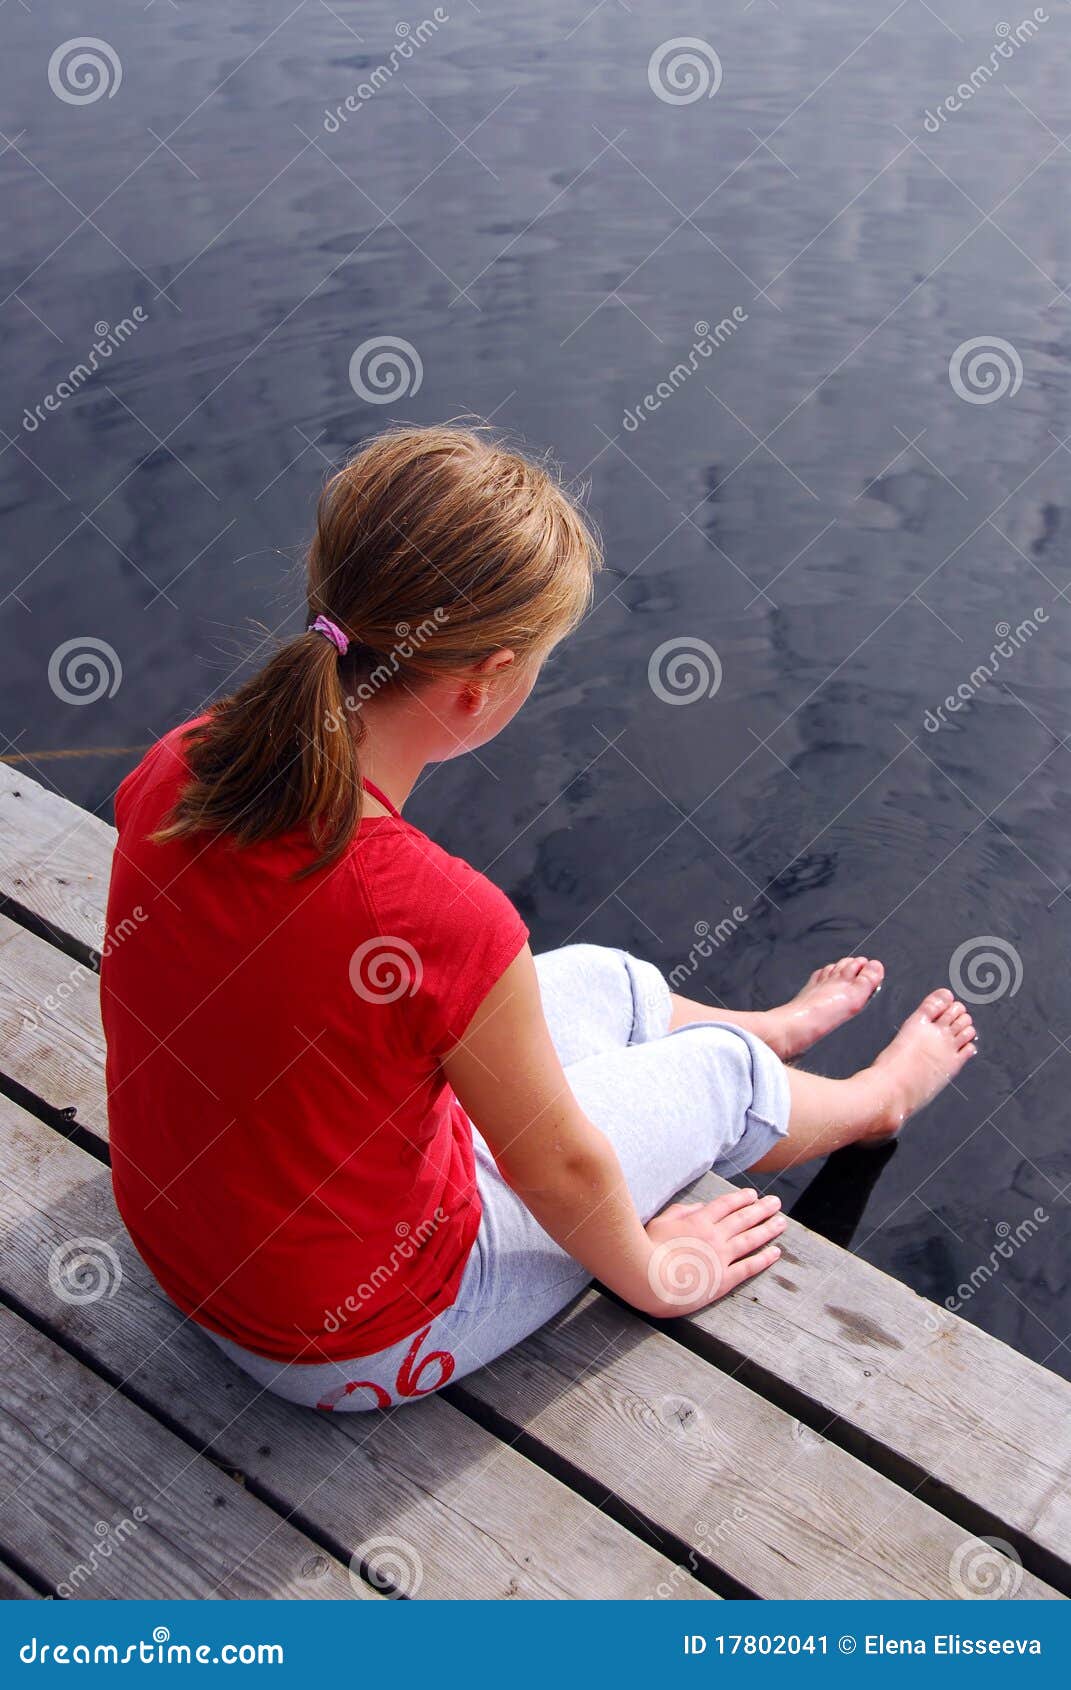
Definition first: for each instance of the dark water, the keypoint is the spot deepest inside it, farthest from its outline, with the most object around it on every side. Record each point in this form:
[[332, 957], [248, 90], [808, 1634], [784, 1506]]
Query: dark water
[[816, 501]]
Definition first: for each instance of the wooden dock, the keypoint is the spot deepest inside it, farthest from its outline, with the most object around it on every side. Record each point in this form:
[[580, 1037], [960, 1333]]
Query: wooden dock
[[823, 1432]]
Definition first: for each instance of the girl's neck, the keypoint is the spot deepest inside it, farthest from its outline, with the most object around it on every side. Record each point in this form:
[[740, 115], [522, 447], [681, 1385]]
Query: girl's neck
[[390, 759]]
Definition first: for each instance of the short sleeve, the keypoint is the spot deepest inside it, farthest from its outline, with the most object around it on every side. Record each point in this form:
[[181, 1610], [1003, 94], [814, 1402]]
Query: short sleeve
[[119, 803], [464, 931], [147, 793]]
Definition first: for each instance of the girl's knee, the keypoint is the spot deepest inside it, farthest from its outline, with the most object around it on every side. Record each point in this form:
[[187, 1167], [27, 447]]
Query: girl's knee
[[578, 961]]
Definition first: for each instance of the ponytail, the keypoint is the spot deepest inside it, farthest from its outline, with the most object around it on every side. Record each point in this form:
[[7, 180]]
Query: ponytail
[[281, 753], [433, 548]]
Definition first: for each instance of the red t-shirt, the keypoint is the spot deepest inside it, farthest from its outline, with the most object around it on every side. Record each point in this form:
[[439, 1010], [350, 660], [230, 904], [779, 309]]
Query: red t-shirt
[[287, 1155]]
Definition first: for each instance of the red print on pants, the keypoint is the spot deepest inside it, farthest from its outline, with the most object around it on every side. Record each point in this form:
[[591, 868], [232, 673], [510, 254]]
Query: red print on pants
[[407, 1383]]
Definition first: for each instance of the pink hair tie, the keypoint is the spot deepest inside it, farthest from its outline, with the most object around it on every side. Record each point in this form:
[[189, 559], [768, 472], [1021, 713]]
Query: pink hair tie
[[331, 631]]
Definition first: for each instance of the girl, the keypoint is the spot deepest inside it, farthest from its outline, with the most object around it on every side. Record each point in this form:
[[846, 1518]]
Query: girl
[[360, 1135]]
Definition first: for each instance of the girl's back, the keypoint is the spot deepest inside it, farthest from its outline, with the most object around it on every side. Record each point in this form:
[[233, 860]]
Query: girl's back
[[287, 1155]]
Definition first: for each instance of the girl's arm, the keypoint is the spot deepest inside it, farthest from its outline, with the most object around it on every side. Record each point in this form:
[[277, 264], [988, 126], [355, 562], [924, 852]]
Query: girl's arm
[[511, 1083]]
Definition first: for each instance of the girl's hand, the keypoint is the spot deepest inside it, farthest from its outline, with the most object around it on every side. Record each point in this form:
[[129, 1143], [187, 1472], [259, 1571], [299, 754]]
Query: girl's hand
[[511, 1083], [703, 1250]]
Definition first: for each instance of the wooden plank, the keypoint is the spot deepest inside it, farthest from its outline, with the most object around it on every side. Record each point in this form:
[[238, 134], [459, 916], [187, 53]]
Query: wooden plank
[[77, 1457], [51, 1039], [918, 1390], [55, 859], [470, 1515], [15, 1589], [913, 1410], [913, 1385], [629, 1412]]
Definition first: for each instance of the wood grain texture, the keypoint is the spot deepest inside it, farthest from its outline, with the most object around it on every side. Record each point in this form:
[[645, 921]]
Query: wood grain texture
[[55, 859], [467, 1515], [917, 1391], [705, 1460], [51, 1039], [15, 1589], [76, 1457], [909, 1377]]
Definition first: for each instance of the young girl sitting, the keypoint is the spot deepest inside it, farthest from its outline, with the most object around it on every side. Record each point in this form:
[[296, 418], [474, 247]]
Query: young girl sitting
[[359, 1134]]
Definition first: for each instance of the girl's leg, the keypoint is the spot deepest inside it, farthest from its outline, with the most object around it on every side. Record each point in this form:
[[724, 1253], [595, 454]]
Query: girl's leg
[[597, 999], [870, 1107], [830, 997], [706, 1096], [671, 1106], [703, 1098]]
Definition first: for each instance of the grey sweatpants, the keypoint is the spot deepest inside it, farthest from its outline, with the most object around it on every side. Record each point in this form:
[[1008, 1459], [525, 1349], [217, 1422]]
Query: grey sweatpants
[[673, 1105]]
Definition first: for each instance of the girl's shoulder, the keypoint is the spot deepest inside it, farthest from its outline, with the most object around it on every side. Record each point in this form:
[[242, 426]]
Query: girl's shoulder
[[162, 769], [415, 880], [444, 928]]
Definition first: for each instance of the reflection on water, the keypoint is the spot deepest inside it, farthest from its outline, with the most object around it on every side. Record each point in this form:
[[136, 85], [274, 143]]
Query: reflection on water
[[815, 499]]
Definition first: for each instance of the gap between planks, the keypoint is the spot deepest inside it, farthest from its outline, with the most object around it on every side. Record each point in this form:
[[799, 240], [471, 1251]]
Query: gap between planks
[[478, 1518], [826, 1351]]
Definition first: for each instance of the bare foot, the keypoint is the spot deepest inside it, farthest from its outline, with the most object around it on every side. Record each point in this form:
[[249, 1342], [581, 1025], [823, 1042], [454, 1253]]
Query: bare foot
[[831, 996], [930, 1049]]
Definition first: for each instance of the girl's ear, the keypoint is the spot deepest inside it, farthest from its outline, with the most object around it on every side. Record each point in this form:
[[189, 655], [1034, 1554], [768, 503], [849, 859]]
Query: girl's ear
[[488, 667], [476, 691]]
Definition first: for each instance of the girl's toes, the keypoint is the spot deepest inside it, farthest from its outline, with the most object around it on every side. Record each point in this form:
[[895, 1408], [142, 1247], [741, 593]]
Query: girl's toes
[[949, 1015], [937, 1002]]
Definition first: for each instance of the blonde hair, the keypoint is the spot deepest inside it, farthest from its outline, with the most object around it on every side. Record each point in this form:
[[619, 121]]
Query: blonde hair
[[434, 547]]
